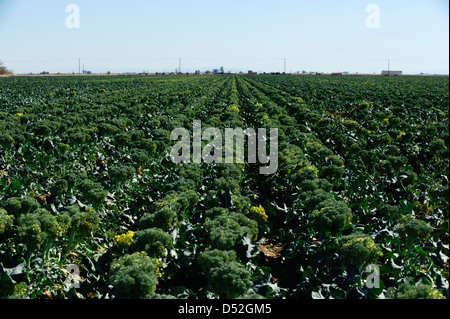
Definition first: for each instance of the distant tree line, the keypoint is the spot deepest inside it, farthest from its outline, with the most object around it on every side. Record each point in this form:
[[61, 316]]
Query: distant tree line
[[3, 69]]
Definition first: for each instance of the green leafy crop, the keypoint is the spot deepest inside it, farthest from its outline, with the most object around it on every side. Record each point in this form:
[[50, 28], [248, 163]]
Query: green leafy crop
[[214, 258], [163, 218], [153, 241], [410, 290], [412, 229], [358, 250], [331, 216], [17, 205], [226, 229], [6, 221], [134, 276], [230, 280]]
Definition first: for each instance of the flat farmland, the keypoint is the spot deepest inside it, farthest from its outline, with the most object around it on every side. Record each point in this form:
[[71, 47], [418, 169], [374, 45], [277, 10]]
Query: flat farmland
[[93, 205]]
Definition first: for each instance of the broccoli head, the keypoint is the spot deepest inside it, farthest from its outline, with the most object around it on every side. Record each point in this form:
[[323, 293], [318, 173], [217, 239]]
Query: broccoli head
[[135, 276], [230, 280], [358, 250], [412, 229], [225, 230], [162, 218], [83, 222], [409, 290], [6, 221], [153, 241], [39, 227], [210, 259], [331, 216], [17, 205]]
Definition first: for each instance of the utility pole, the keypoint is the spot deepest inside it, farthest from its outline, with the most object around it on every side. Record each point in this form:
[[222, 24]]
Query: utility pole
[[285, 66], [389, 67], [179, 65], [79, 66]]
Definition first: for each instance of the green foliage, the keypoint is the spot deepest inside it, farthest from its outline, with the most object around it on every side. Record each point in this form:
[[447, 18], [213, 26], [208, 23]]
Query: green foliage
[[409, 290], [6, 140], [6, 221], [152, 241], [17, 205], [225, 230], [358, 250], [229, 281], [120, 173], [80, 223], [61, 187], [215, 258], [412, 229], [180, 202], [85, 179], [331, 216], [134, 276], [39, 229], [163, 218]]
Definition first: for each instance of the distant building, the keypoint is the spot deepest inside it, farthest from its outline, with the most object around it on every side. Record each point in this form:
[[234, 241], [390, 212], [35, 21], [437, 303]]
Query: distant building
[[391, 73], [250, 72], [336, 73]]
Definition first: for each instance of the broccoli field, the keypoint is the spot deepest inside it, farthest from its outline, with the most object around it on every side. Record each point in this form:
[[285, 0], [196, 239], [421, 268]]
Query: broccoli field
[[93, 207]]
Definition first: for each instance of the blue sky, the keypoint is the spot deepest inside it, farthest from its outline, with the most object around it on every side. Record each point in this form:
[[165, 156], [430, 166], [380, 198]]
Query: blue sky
[[151, 35]]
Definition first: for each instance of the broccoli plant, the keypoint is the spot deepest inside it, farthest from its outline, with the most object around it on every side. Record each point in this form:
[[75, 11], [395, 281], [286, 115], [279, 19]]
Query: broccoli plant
[[331, 216], [412, 229], [153, 241], [212, 258], [6, 221], [163, 218], [408, 290], [225, 230], [124, 240], [135, 276], [258, 214], [180, 202], [6, 141], [61, 187], [81, 225], [229, 280], [357, 250], [93, 192], [39, 230], [120, 173], [17, 205]]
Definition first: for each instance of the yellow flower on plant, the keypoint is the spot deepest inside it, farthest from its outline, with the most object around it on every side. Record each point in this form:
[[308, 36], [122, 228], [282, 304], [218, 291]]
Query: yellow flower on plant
[[19, 114], [160, 204], [258, 214], [400, 135], [234, 108], [125, 240]]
